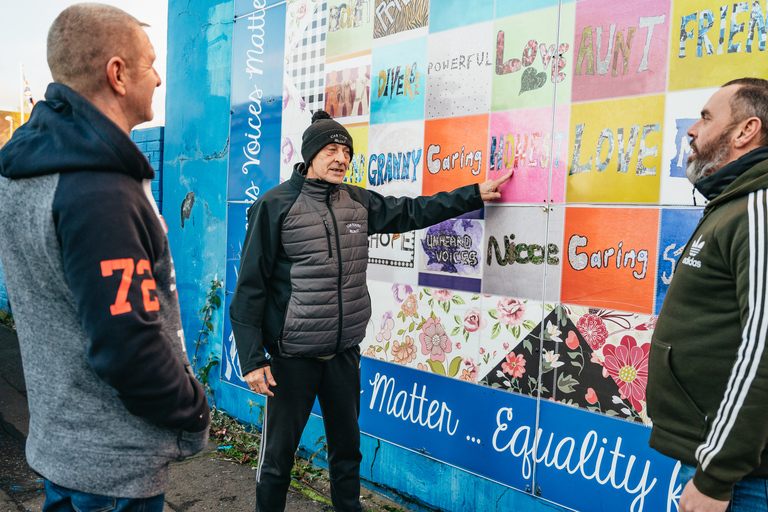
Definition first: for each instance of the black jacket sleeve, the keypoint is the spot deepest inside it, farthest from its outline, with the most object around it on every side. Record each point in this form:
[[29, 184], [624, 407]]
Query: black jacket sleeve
[[257, 262], [388, 214], [111, 241]]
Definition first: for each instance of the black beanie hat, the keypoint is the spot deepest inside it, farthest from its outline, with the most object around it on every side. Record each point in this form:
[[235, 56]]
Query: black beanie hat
[[321, 132]]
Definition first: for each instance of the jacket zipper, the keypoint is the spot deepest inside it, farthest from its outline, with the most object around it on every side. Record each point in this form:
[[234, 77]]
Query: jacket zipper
[[338, 252], [328, 237]]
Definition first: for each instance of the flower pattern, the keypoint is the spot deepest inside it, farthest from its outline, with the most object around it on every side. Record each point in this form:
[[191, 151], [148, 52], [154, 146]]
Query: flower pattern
[[511, 311], [592, 327], [442, 295], [627, 364], [410, 305], [404, 352], [434, 340], [474, 320], [514, 365]]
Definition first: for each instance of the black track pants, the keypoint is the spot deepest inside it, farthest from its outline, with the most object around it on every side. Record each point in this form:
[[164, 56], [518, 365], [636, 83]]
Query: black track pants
[[336, 383]]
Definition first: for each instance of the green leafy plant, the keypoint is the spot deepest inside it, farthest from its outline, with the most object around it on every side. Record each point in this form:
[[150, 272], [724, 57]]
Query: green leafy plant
[[212, 303], [6, 320]]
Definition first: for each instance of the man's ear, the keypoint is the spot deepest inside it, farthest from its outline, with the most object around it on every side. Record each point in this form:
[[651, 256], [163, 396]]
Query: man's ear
[[747, 131], [117, 75]]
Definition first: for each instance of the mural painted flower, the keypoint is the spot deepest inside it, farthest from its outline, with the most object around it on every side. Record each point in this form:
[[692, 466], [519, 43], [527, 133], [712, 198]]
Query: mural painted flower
[[474, 320], [514, 365], [593, 329], [572, 341], [400, 292], [552, 359], [511, 311], [442, 295], [387, 324], [553, 333], [649, 325], [591, 396], [404, 352], [466, 375], [434, 340], [627, 364], [410, 305]]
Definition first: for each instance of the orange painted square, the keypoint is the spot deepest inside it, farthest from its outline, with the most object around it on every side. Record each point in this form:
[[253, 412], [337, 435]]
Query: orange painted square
[[456, 137], [624, 288]]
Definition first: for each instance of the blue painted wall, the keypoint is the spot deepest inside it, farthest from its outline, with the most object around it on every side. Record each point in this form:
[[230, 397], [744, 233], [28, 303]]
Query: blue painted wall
[[195, 209]]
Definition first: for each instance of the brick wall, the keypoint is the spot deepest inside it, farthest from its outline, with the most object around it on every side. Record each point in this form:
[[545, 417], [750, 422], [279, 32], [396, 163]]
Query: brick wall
[[150, 142]]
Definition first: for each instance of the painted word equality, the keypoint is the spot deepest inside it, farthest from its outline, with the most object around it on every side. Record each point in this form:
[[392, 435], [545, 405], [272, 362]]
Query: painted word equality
[[479, 59], [399, 82], [619, 44], [348, 15], [384, 168], [601, 258], [528, 57], [512, 151], [521, 253], [356, 174], [625, 152], [253, 62], [403, 405], [591, 465], [436, 163], [703, 21]]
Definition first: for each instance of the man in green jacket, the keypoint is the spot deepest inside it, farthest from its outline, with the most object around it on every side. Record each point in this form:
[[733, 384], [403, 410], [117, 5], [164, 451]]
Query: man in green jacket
[[708, 372]]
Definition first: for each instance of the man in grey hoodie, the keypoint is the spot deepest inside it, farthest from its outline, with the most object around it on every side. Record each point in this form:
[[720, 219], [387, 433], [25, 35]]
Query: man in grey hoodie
[[112, 397]]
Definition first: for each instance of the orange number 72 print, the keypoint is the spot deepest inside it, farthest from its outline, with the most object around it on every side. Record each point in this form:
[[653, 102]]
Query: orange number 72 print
[[121, 304]]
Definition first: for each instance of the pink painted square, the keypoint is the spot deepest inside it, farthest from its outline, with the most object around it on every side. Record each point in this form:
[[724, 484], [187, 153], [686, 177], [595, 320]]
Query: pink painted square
[[522, 140], [619, 52]]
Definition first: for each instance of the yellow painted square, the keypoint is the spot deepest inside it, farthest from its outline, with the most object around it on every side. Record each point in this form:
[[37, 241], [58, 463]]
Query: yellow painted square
[[616, 126]]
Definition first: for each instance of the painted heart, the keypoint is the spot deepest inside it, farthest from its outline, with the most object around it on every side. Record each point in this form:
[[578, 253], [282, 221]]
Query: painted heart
[[531, 80]]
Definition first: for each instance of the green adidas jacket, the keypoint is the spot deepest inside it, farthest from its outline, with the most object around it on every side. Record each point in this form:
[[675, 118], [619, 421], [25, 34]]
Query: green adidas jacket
[[708, 371]]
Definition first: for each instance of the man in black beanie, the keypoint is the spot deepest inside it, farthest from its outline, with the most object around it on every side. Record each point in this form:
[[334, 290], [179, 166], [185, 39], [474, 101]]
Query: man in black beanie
[[302, 298]]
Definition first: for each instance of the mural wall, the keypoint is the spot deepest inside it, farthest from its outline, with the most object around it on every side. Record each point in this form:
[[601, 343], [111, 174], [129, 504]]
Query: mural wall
[[512, 342]]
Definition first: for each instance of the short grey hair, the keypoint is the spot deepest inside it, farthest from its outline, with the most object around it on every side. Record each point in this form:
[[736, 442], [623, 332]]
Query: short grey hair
[[750, 100], [83, 38]]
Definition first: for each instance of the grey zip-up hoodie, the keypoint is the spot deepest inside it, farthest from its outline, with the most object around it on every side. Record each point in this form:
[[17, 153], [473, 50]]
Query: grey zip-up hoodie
[[89, 274]]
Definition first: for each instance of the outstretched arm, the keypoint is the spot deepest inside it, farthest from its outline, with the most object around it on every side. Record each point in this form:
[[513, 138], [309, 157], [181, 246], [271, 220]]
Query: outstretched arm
[[491, 189]]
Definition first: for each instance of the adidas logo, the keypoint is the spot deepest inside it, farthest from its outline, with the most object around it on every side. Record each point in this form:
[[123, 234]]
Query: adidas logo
[[696, 247]]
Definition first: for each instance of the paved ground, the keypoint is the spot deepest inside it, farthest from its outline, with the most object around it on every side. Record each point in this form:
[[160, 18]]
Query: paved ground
[[205, 483]]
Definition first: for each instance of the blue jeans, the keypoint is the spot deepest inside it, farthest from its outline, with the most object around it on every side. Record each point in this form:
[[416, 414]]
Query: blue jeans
[[61, 499], [749, 495]]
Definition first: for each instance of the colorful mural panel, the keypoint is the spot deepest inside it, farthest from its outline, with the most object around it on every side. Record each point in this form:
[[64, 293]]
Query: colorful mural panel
[[615, 154], [714, 41], [455, 153], [398, 85], [522, 140], [619, 52], [611, 258], [530, 59], [459, 71]]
